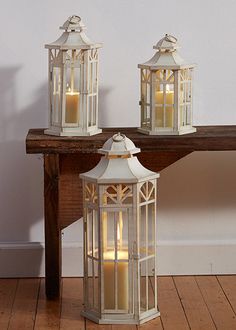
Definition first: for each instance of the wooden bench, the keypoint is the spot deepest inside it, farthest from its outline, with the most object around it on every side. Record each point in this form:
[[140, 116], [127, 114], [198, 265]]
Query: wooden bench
[[66, 157]]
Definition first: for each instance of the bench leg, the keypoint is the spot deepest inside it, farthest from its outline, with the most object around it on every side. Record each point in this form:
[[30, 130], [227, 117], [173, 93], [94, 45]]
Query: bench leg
[[52, 226]]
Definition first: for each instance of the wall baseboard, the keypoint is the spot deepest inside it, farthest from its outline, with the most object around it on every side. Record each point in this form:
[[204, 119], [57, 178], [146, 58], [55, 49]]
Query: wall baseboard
[[174, 258]]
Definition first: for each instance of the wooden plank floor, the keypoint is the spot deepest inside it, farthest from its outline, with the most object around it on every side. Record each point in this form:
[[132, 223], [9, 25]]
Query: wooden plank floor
[[185, 302]]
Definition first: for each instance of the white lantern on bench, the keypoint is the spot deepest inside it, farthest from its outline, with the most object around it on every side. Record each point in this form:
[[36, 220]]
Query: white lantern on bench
[[119, 197], [73, 82], [166, 91]]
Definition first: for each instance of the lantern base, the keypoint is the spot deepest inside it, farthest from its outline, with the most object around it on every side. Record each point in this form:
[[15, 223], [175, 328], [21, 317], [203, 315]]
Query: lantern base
[[58, 131], [108, 319], [182, 131]]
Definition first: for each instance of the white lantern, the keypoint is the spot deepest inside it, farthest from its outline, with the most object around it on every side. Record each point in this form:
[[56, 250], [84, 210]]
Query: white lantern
[[166, 91], [73, 82], [119, 197]]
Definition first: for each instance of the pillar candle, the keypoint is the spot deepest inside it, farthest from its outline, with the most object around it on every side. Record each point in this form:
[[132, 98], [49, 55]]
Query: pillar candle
[[122, 280], [159, 99], [72, 107]]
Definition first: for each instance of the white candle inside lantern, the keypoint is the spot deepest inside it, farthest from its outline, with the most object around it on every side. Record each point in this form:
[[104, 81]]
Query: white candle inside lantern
[[72, 106], [109, 280], [159, 99], [122, 271]]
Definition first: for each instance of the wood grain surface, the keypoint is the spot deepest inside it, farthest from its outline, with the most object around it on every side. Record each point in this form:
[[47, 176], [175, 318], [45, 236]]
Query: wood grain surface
[[185, 302], [206, 138]]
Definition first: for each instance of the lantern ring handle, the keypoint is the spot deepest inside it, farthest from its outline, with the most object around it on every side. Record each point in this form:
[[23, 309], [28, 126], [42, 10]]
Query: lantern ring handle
[[171, 38], [74, 19], [118, 137]]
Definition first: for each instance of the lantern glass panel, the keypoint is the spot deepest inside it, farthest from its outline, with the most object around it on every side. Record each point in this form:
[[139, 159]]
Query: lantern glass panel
[[93, 88], [147, 231], [147, 284], [93, 77], [164, 98], [92, 106], [151, 228], [56, 94], [147, 219], [185, 97], [145, 98], [96, 301], [143, 232], [90, 282], [91, 245], [151, 282], [143, 286], [90, 232]]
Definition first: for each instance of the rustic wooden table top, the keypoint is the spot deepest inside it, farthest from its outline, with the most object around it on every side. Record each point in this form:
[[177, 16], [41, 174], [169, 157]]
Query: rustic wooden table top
[[206, 138]]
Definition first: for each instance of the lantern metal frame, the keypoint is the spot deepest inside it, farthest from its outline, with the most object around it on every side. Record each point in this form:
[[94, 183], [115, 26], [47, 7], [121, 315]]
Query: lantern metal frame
[[165, 110], [73, 82], [119, 200]]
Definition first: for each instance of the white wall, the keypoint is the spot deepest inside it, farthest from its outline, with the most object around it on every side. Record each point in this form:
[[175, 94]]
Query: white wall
[[197, 203]]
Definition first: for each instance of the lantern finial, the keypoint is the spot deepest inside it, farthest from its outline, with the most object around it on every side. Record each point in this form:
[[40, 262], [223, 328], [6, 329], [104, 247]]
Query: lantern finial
[[119, 144], [167, 44], [73, 23], [118, 137]]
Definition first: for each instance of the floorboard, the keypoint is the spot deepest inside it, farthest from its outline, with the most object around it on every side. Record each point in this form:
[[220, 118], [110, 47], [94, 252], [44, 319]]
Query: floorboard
[[185, 302], [48, 311], [172, 313], [193, 303], [7, 295], [72, 304], [25, 304], [228, 284], [217, 303]]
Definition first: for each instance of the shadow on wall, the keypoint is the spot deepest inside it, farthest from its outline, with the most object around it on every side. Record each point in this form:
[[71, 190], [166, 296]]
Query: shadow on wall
[[104, 114], [21, 199], [21, 175]]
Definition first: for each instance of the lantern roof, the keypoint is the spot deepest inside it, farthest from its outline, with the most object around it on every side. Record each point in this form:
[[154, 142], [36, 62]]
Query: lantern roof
[[74, 36], [119, 165], [167, 56]]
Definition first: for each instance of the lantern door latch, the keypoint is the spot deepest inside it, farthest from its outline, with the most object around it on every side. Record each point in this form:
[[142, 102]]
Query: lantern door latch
[[136, 256]]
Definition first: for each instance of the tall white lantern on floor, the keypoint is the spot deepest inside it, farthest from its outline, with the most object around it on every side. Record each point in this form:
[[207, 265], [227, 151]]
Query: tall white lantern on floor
[[119, 197], [166, 91], [73, 82]]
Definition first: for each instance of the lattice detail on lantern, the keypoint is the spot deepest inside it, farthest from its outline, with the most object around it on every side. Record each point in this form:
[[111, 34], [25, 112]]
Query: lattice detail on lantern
[[75, 55], [146, 76], [118, 194], [54, 53], [91, 193], [55, 57], [147, 192], [165, 76], [93, 55]]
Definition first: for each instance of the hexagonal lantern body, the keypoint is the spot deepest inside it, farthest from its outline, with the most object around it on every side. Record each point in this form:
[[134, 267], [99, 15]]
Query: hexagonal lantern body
[[166, 91], [73, 82], [119, 197]]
